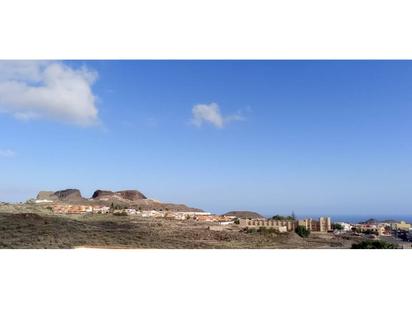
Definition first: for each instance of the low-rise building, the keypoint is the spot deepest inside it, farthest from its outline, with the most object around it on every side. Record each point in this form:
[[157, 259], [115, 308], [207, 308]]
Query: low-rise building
[[367, 228], [279, 225], [384, 229], [36, 201], [71, 209], [215, 218], [100, 209], [78, 209], [225, 222], [131, 211], [402, 225], [184, 215], [195, 214], [346, 227], [152, 213], [59, 209], [174, 216], [209, 218]]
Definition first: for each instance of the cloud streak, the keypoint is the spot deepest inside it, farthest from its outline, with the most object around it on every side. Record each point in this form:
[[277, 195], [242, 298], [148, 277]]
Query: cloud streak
[[7, 153], [211, 114], [48, 89]]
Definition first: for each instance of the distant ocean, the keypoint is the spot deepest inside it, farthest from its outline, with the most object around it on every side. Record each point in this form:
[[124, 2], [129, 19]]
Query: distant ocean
[[360, 218]]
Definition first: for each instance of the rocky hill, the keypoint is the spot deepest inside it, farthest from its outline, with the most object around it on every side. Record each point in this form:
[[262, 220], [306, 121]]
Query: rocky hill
[[136, 199], [124, 198], [130, 195], [68, 195], [370, 221], [46, 195], [244, 214]]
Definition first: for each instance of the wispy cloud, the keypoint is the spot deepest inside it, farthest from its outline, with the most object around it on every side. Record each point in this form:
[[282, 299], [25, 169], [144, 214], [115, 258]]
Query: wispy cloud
[[7, 153], [210, 113], [48, 89]]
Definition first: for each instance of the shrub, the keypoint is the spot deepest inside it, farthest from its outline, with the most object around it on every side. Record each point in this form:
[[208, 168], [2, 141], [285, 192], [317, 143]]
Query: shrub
[[374, 244], [371, 232], [302, 231], [278, 217], [267, 231], [337, 226], [250, 230], [261, 230]]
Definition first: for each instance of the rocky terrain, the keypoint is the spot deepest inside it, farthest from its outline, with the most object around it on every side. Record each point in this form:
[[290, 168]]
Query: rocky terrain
[[68, 195], [130, 195], [36, 225], [124, 198]]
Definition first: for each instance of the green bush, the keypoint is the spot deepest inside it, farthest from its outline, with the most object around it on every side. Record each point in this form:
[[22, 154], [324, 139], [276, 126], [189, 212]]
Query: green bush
[[374, 244], [266, 231], [302, 231], [249, 231], [279, 217], [370, 232], [261, 230]]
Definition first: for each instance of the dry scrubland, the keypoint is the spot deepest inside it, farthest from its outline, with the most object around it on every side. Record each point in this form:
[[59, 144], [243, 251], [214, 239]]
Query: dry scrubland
[[38, 228]]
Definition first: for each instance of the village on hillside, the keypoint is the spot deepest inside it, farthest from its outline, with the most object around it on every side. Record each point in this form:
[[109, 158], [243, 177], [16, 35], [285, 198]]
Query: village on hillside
[[107, 205]]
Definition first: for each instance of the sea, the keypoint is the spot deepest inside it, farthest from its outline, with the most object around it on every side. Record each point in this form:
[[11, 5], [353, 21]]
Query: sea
[[359, 218]]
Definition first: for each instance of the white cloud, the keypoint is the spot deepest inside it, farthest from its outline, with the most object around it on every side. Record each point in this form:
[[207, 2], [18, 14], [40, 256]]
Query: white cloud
[[7, 153], [210, 113], [48, 89]]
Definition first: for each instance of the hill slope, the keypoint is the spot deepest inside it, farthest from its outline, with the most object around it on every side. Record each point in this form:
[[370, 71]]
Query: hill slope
[[244, 214]]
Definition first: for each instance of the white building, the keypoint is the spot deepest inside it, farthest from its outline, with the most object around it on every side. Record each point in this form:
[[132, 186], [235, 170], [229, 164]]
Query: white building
[[152, 213], [226, 222], [42, 201], [346, 226], [131, 211]]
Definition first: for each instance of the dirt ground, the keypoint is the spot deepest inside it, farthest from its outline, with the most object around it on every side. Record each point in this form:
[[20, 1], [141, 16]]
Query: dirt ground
[[45, 230]]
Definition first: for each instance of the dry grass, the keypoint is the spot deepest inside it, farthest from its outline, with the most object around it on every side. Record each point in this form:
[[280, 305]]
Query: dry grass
[[43, 230]]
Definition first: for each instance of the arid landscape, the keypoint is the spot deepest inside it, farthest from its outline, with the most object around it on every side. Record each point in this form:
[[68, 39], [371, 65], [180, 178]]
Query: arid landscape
[[127, 219], [186, 154], [33, 230]]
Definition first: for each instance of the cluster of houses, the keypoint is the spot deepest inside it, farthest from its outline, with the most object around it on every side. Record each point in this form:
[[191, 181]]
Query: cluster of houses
[[80, 209], [401, 229], [398, 229], [178, 215]]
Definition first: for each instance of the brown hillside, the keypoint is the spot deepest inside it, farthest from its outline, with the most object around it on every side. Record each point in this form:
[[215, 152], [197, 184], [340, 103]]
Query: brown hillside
[[244, 214]]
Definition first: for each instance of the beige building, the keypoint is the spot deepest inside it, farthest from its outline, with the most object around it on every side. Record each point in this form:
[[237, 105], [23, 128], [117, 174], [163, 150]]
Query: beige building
[[400, 226], [280, 225], [323, 225]]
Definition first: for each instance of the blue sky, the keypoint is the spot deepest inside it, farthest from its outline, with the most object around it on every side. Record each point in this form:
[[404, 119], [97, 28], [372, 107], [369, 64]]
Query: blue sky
[[315, 137]]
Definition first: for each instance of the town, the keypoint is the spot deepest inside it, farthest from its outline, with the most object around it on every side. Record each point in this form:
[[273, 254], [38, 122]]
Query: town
[[371, 229], [105, 214]]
